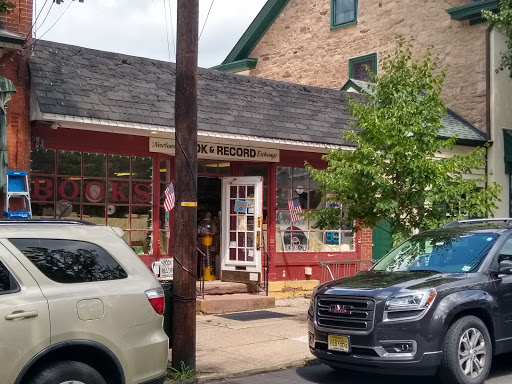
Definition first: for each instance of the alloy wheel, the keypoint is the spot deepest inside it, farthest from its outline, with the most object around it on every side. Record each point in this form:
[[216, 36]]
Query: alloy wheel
[[472, 353]]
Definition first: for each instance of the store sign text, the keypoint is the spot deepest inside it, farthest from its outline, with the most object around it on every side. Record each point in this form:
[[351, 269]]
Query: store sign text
[[94, 191], [218, 151]]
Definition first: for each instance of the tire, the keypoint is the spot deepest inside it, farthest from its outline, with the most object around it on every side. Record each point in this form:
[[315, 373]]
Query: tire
[[62, 372], [467, 352]]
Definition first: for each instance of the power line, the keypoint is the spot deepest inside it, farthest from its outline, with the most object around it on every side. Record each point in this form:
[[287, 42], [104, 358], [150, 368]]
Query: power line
[[48, 30], [167, 31], [172, 29], [40, 25], [204, 25], [62, 14]]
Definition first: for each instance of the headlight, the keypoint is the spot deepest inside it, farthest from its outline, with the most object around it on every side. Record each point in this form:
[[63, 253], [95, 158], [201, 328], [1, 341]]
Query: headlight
[[416, 300]]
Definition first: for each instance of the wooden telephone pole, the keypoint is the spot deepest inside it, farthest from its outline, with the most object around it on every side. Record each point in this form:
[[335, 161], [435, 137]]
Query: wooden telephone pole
[[185, 168]]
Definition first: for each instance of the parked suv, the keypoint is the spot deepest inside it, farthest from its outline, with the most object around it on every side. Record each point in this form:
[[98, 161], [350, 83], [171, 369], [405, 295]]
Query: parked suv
[[77, 305], [439, 302]]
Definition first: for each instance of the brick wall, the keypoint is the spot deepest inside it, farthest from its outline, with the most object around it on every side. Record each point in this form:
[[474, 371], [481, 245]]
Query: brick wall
[[300, 47], [13, 65]]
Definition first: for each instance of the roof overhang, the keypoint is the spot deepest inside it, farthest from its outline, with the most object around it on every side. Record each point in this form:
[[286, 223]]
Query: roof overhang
[[56, 121], [10, 41], [255, 32], [472, 10], [237, 66]]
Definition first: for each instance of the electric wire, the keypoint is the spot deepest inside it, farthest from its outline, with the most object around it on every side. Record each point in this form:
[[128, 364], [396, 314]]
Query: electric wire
[[172, 29], [35, 21], [40, 25], [204, 25], [167, 31], [48, 30]]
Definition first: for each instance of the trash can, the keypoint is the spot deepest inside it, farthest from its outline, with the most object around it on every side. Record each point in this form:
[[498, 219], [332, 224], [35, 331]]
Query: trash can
[[167, 287]]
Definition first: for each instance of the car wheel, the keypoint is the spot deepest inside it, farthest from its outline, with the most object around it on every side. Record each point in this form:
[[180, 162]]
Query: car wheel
[[67, 372], [467, 352]]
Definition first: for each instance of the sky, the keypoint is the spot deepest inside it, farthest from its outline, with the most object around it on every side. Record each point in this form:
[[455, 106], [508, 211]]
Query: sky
[[143, 27]]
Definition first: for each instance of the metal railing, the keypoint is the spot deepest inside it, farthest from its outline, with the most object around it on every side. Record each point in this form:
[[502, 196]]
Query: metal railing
[[332, 270], [264, 285]]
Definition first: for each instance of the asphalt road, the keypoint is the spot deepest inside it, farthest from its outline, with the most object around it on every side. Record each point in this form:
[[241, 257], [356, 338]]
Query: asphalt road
[[501, 373]]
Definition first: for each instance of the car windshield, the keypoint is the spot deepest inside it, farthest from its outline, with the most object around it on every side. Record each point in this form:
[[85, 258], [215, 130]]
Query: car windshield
[[447, 252]]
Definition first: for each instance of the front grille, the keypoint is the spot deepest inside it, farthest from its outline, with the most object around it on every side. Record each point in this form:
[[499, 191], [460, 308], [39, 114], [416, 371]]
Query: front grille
[[345, 313]]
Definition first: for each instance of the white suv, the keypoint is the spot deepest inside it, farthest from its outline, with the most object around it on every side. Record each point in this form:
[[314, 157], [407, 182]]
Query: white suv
[[77, 305]]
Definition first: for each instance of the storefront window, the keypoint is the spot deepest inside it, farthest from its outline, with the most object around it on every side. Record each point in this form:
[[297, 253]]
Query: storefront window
[[164, 231], [100, 188], [300, 236]]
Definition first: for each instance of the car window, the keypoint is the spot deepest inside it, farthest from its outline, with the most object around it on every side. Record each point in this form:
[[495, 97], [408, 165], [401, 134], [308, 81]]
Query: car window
[[7, 282], [506, 251], [70, 261]]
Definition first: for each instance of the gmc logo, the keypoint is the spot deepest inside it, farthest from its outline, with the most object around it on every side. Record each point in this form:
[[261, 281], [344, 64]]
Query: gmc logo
[[338, 308]]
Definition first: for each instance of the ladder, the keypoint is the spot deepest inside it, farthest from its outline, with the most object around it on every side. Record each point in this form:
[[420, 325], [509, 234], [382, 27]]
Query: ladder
[[17, 188]]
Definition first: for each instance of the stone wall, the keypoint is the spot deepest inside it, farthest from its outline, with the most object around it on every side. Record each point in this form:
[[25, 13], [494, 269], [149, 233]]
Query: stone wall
[[300, 47]]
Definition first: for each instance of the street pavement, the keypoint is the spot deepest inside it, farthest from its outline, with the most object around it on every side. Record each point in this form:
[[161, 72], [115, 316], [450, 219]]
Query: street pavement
[[273, 348], [501, 373]]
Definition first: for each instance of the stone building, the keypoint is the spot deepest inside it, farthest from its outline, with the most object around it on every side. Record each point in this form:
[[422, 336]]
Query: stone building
[[327, 42]]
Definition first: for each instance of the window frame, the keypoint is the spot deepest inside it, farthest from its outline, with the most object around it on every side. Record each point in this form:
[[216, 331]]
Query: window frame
[[342, 25], [359, 59]]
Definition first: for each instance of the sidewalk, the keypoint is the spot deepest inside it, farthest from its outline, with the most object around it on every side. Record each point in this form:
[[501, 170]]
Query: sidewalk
[[251, 344]]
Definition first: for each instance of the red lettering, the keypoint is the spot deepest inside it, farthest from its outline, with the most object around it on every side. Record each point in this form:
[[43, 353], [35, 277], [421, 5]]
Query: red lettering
[[42, 185], [117, 192], [62, 190], [94, 191], [138, 193]]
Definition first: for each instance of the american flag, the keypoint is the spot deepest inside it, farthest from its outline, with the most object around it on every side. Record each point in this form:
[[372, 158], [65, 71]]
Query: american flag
[[294, 208], [169, 197]]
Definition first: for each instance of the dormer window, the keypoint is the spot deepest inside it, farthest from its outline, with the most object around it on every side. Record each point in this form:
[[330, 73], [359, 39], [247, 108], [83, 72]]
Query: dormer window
[[343, 13]]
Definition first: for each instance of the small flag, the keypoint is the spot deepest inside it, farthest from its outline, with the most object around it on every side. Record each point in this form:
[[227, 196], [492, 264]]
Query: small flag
[[169, 197], [294, 208]]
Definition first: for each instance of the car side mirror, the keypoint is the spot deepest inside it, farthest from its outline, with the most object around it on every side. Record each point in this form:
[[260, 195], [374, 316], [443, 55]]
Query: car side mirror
[[505, 267]]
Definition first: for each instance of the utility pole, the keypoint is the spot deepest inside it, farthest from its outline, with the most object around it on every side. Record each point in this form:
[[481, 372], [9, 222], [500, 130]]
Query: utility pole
[[185, 168]]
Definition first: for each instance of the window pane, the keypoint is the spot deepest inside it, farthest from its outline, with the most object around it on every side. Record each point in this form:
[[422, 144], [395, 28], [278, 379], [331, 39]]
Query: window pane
[[7, 282], [70, 163], [95, 165], [282, 197], [284, 176], [42, 161], [359, 70], [344, 11], [142, 168], [69, 188], [69, 261], [165, 171], [118, 166]]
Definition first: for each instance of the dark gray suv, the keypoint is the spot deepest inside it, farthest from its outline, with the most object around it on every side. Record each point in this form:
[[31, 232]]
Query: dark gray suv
[[439, 302]]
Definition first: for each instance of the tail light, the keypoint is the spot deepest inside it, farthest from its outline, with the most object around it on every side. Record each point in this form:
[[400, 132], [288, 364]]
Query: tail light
[[156, 299]]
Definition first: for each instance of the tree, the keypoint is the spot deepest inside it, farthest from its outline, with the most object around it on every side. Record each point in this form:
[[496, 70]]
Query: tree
[[393, 173], [503, 20], [6, 6]]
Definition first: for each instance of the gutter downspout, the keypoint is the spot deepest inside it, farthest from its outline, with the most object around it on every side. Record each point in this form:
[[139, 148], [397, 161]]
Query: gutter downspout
[[487, 99]]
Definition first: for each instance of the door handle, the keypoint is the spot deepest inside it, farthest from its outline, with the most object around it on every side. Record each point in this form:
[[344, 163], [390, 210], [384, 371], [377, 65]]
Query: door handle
[[21, 315]]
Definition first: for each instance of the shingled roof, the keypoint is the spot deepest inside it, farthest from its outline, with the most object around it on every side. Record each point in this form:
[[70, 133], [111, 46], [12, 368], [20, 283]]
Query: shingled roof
[[76, 81]]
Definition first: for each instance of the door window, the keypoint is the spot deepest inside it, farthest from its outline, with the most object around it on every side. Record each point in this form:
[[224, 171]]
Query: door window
[[70, 261], [7, 282]]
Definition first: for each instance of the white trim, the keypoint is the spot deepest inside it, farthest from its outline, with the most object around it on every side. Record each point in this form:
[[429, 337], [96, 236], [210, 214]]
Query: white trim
[[121, 127]]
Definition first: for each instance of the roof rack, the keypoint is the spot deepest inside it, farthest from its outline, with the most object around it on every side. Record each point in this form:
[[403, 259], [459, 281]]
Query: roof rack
[[460, 223], [44, 221]]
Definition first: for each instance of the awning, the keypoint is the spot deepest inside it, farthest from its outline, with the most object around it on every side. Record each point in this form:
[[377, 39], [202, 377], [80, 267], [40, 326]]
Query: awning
[[7, 89]]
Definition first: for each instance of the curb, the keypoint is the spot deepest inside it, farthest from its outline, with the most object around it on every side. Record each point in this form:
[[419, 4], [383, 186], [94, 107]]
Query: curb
[[250, 372]]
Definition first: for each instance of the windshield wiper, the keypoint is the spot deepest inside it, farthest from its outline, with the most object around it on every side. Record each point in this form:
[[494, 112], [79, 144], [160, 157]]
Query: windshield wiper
[[424, 270]]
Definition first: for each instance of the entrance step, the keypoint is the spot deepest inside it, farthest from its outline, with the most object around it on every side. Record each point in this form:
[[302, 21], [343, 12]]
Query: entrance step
[[217, 287], [239, 302]]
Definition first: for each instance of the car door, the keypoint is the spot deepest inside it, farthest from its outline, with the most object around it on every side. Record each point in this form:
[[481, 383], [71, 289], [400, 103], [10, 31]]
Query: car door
[[24, 317], [504, 292]]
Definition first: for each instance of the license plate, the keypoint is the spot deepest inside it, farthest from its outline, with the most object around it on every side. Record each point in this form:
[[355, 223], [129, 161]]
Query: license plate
[[338, 343]]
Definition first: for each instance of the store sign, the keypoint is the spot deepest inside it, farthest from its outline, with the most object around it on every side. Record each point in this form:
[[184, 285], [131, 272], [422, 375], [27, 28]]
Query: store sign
[[218, 151], [94, 191]]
